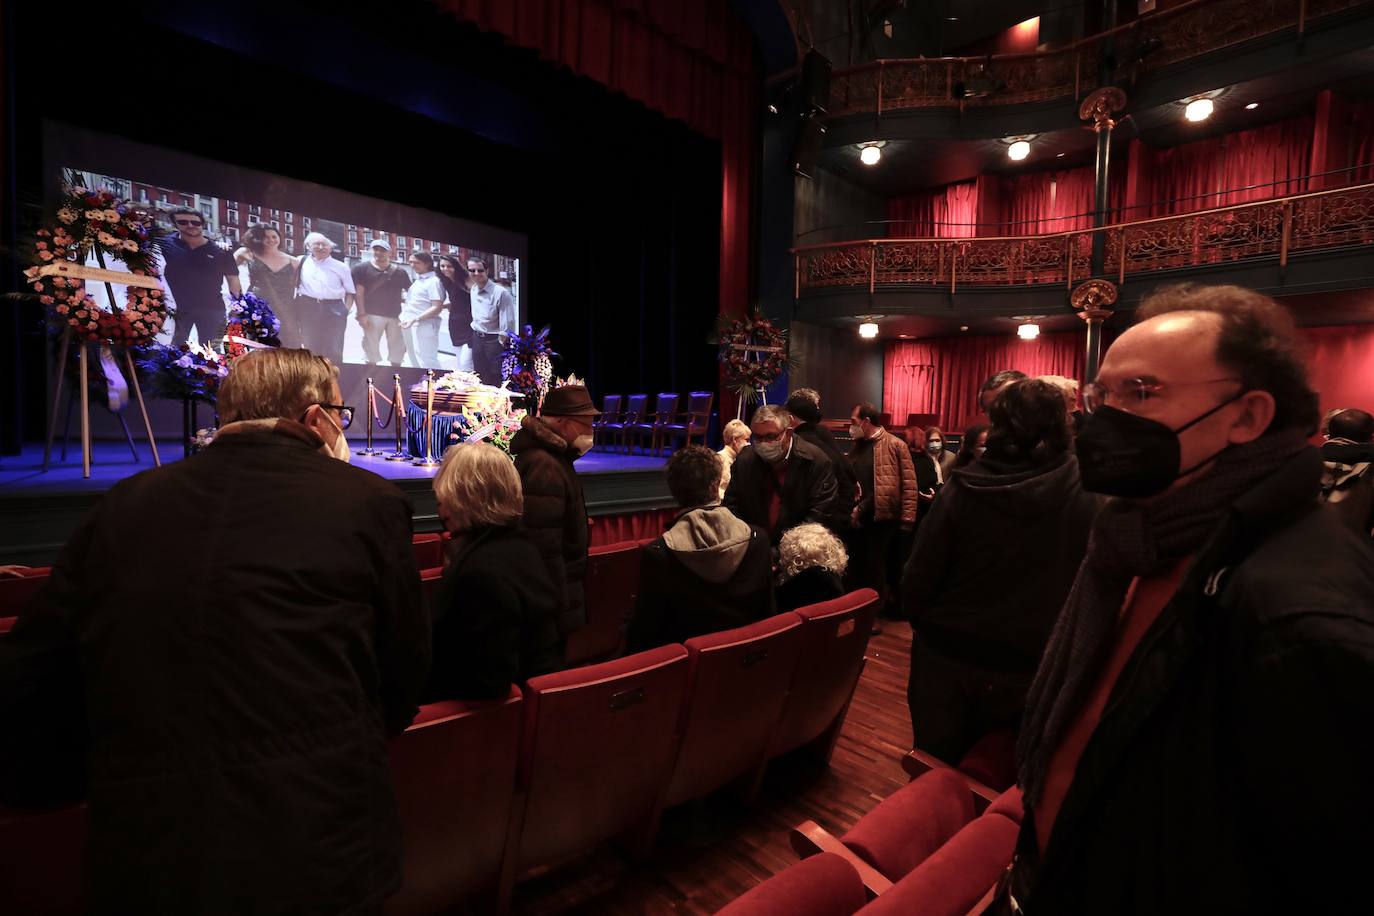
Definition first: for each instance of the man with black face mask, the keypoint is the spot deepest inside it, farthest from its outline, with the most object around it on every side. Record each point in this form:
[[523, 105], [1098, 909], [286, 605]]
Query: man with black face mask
[[1218, 642]]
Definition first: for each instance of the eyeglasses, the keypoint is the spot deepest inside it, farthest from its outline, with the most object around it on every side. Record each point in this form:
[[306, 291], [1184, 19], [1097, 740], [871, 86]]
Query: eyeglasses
[[1135, 391], [478, 270], [189, 222], [345, 414], [767, 437]]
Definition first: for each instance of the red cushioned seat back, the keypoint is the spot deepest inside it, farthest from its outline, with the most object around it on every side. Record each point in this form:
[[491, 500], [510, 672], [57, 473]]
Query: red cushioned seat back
[[834, 636], [992, 760], [43, 861], [822, 885], [952, 880], [737, 685], [429, 550], [912, 823], [598, 749], [611, 585], [429, 584], [17, 591], [454, 775]]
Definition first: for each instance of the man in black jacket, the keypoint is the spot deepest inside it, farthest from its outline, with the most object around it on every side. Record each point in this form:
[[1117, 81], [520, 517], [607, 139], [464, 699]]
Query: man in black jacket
[[1348, 475], [247, 628], [709, 571], [555, 509], [804, 405], [1196, 739], [780, 481]]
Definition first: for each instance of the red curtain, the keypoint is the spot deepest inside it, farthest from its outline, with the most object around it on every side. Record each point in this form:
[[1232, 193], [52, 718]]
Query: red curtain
[[1362, 143], [1342, 365], [950, 212], [1044, 202], [942, 375], [634, 526], [1272, 161]]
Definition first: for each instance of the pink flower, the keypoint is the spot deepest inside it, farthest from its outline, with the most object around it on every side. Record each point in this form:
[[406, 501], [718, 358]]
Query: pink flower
[[45, 255], [46, 300]]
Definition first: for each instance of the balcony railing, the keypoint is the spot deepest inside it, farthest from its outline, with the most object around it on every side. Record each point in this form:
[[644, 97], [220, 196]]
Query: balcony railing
[[1154, 40], [1278, 227]]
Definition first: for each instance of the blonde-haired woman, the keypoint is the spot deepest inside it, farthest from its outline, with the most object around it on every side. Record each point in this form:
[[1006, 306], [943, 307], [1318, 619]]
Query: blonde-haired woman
[[736, 436], [495, 614], [811, 565]]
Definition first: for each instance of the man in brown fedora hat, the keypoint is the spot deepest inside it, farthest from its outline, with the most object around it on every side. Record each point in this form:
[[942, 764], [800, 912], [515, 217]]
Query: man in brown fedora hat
[[555, 512]]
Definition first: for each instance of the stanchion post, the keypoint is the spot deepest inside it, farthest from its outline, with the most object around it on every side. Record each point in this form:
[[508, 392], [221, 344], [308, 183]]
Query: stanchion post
[[398, 417], [428, 459], [371, 414]]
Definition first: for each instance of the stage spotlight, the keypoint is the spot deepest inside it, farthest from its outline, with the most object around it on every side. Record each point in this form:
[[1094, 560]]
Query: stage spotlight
[[1198, 110], [1252, 106], [868, 330], [1018, 150], [1028, 331]]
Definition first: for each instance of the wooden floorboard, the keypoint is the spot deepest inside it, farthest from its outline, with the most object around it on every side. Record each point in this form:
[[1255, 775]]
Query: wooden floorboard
[[709, 854]]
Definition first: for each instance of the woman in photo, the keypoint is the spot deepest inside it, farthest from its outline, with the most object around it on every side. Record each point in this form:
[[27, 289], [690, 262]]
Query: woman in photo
[[454, 277], [420, 314], [272, 277]]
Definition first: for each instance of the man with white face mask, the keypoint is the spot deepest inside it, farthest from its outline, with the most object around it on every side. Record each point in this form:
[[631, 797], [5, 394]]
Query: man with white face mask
[[555, 513], [780, 481], [248, 628]]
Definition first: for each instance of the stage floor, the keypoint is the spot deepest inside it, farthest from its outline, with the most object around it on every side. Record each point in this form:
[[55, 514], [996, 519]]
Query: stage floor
[[39, 510]]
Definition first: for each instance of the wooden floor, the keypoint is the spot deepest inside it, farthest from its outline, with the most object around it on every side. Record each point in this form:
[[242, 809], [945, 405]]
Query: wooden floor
[[709, 854]]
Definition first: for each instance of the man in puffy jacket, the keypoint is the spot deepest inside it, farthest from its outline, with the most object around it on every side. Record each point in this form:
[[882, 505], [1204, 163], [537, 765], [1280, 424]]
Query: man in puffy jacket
[[709, 571], [555, 510]]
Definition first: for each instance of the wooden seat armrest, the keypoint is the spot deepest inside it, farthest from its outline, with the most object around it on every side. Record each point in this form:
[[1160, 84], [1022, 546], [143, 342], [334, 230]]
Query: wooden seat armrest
[[982, 905], [809, 838], [918, 761]]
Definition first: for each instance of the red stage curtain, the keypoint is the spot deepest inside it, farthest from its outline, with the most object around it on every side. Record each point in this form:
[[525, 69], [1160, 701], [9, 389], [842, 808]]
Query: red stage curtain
[[941, 375], [1342, 365], [1362, 143], [634, 526], [1044, 202], [950, 212], [1190, 177], [690, 61]]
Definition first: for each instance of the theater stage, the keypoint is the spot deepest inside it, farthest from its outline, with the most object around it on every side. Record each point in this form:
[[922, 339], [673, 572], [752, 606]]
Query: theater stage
[[38, 510]]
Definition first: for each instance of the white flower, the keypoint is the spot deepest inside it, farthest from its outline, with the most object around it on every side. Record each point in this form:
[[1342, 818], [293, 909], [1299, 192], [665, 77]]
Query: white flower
[[130, 245], [105, 238], [95, 215], [66, 215], [111, 215]]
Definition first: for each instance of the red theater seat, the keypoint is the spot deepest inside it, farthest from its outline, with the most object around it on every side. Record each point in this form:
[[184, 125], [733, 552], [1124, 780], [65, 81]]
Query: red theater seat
[[992, 760], [834, 636], [17, 591], [43, 861], [428, 550], [429, 583], [597, 752], [823, 885], [957, 876], [454, 775], [912, 823], [611, 586], [737, 685]]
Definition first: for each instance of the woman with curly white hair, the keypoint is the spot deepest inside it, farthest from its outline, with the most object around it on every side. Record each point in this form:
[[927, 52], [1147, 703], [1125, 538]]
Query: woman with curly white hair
[[811, 565]]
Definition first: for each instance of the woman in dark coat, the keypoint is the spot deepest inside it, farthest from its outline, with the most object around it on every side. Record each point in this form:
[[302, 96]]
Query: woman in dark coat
[[495, 615], [454, 277], [811, 565]]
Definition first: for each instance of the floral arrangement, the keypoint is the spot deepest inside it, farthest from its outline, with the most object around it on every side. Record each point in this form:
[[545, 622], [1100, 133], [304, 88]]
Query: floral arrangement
[[754, 352], [250, 320], [527, 366], [459, 380], [202, 439], [100, 223], [183, 373], [497, 425]]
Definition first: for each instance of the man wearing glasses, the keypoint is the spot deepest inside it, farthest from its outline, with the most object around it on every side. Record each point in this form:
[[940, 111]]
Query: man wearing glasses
[[493, 317], [1197, 738], [196, 271]]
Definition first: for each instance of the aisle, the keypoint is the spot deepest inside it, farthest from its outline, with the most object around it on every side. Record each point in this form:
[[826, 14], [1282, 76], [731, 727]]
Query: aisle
[[706, 859]]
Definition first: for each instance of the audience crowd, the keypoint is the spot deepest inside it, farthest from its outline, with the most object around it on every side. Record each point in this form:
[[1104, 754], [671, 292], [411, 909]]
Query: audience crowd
[[1156, 583]]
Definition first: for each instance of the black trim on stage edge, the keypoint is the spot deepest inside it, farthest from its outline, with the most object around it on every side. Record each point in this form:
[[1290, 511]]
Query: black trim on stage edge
[[39, 511]]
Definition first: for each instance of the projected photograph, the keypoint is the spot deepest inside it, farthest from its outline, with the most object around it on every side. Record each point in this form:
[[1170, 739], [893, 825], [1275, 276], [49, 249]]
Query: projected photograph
[[361, 281]]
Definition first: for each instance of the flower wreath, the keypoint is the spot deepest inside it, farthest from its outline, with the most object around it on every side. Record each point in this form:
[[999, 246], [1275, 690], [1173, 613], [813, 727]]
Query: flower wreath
[[754, 352], [187, 373], [527, 365], [97, 221]]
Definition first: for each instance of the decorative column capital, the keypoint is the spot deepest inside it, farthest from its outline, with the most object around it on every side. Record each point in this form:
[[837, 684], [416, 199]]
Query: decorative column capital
[[1093, 299], [1100, 105]]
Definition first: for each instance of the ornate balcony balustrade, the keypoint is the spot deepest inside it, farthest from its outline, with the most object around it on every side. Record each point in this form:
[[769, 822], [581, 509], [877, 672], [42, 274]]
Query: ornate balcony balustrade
[[1275, 228], [1153, 41]]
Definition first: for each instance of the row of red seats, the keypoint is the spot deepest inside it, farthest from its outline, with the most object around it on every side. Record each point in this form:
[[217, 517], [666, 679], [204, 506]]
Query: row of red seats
[[488, 791], [925, 849]]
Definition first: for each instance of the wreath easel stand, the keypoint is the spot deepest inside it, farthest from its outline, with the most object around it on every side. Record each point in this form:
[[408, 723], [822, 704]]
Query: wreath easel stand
[[78, 271]]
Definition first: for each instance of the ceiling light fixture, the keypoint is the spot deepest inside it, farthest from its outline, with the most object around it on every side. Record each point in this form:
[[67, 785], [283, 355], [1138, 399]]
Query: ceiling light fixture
[[868, 330], [1018, 150], [1028, 331], [1252, 106], [870, 155], [1198, 110]]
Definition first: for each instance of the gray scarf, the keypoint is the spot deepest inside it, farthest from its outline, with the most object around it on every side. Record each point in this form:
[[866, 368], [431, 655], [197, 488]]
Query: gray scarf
[[1129, 539]]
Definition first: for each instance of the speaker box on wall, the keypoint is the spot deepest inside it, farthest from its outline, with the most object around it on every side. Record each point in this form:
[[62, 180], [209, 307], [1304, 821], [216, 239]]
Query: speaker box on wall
[[815, 82], [807, 146]]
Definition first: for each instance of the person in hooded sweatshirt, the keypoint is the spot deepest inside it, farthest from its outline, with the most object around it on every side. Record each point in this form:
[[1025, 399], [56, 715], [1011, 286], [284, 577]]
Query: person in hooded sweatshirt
[[990, 570], [709, 571]]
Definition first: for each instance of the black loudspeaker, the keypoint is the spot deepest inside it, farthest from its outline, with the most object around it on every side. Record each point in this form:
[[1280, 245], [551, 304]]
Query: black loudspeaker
[[815, 82], [807, 146]]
